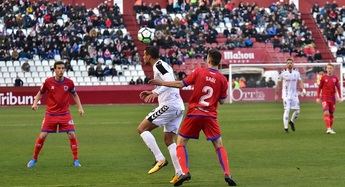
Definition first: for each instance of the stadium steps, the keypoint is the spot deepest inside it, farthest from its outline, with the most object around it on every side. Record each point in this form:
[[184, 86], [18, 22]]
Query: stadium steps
[[133, 27], [320, 42]]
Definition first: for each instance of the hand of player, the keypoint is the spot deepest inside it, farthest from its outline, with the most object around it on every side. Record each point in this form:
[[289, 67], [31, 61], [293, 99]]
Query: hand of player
[[81, 111], [339, 99], [318, 100], [304, 92], [34, 106], [150, 98], [276, 97], [155, 82], [143, 94]]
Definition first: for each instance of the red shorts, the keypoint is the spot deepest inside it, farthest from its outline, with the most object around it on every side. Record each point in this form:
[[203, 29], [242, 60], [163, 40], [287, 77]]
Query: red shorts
[[328, 106], [57, 123], [192, 125]]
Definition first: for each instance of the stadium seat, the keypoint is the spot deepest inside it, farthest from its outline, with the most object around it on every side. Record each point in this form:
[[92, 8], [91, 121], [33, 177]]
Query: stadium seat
[[40, 68], [13, 75], [6, 74], [82, 68], [9, 63], [45, 63]]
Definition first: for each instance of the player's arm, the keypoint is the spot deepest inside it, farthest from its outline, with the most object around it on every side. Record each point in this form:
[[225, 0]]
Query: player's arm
[[319, 91], [173, 84], [301, 87], [36, 100], [77, 101], [278, 88], [339, 95]]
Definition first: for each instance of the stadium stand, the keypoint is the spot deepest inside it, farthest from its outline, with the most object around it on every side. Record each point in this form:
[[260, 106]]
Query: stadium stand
[[331, 21]]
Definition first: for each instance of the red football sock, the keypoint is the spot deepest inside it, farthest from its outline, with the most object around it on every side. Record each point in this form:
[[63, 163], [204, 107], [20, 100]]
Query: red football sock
[[327, 120], [74, 147], [223, 160], [331, 117], [38, 146], [182, 156]]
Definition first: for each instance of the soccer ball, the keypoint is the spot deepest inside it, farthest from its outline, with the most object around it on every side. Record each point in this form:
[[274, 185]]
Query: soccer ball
[[145, 35]]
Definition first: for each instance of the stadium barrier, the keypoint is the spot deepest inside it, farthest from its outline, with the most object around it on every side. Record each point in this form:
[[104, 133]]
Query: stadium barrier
[[10, 96]]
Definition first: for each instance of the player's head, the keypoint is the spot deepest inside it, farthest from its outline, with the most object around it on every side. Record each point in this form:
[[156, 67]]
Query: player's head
[[289, 63], [214, 57], [59, 68], [151, 54], [329, 69]]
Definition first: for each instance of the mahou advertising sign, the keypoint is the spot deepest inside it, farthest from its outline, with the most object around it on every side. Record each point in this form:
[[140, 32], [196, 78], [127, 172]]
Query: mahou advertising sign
[[245, 56]]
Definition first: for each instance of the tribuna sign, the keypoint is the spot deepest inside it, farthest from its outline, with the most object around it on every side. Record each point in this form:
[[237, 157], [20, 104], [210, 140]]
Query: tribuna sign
[[8, 99]]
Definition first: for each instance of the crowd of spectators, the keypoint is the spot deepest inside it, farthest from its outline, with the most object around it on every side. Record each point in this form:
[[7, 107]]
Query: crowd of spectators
[[331, 20], [51, 30], [189, 28]]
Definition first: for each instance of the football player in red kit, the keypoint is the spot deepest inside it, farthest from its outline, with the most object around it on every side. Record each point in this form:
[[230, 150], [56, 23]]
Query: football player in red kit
[[328, 92], [57, 118], [210, 88]]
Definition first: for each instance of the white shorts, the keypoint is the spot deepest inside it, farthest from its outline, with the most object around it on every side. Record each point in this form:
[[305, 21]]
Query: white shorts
[[291, 104], [168, 117]]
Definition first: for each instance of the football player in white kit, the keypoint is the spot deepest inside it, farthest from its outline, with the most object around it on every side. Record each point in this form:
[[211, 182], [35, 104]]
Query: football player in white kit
[[168, 114], [289, 80]]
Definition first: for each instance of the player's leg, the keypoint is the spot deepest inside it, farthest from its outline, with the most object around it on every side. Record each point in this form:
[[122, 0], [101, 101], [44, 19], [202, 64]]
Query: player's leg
[[286, 114], [74, 147], [170, 131], [182, 155], [212, 132], [144, 129], [223, 160], [331, 115], [326, 117], [37, 148], [296, 107]]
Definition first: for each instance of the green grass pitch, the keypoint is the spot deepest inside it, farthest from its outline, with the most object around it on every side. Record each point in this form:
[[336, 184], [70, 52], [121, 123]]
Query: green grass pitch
[[113, 154]]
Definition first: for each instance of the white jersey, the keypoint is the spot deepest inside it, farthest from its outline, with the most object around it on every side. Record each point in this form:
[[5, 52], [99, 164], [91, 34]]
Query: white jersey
[[289, 83], [166, 95]]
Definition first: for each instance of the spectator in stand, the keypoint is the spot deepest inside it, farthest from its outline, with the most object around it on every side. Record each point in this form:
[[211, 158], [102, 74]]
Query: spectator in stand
[[18, 82], [92, 71], [270, 83], [113, 71], [26, 67], [68, 66], [317, 56], [235, 83], [106, 71], [131, 82], [251, 83], [242, 82], [139, 81], [262, 82], [146, 80], [99, 72]]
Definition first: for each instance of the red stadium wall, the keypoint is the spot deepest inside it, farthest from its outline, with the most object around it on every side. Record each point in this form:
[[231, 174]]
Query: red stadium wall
[[10, 96], [89, 94]]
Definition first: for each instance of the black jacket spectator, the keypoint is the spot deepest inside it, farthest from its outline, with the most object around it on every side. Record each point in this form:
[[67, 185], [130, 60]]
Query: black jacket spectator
[[18, 82]]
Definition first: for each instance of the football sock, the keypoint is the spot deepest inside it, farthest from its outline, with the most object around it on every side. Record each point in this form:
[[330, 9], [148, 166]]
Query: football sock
[[151, 143], [38, 146], [74, 147], [327, 120], [331, 118], [182, 156], [223, 160], [295, 115], [172, 152], [286, 118]]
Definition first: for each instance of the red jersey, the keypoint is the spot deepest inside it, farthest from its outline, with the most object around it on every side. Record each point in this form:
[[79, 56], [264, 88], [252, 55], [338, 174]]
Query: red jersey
[[327, 87], [209, 87], [57, 95]]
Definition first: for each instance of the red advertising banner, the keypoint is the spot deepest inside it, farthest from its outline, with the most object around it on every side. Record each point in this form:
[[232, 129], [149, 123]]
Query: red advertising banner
[[10, 96], [266, 95]]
